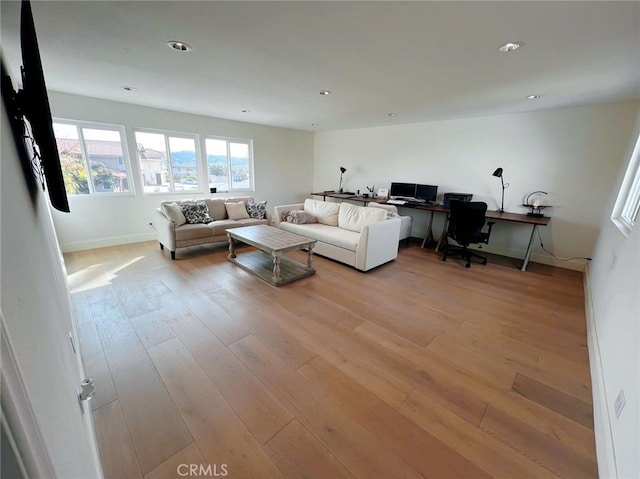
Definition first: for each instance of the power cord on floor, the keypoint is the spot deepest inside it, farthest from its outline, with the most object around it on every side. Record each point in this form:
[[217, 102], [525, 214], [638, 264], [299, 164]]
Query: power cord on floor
[[554, 256]]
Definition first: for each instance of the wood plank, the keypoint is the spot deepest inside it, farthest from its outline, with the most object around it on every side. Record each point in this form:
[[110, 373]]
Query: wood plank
[[170, 304], [178, 465], [226, 328], [423, 376], [276, 338], [541, 448], [93, 358], [573, 408], [263, 415], [156, 427], [535, 415], [116, 449], [494, 457], [378, 380], [152, 328], [220, 435], [566, 345], [360, 452], [298, 454], [485, 369], [421, 450]]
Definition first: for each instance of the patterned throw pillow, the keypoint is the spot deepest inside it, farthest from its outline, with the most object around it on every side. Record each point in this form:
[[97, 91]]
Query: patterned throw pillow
[[196, 213], [257, 210]]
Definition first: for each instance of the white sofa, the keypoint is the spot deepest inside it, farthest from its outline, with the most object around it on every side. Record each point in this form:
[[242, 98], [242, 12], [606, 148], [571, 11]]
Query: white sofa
[[360, 237], [406, 221], [173, 237]]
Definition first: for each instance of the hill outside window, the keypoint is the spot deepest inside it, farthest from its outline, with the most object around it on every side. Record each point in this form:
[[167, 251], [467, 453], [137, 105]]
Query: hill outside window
[[229, 164], [168, 162], [93, 158]]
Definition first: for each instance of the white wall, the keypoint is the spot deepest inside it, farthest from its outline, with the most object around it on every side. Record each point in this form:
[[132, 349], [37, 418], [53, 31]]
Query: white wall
[[614, 328], [282, 162], [574, 154], [35, 311]]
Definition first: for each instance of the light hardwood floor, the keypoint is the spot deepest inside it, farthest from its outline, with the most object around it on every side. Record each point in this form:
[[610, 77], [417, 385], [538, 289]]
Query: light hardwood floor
[[416, 369]]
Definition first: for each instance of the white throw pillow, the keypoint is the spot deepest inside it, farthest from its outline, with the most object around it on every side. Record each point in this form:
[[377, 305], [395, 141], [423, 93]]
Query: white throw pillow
[[325, 211], [174, 213], [236, 211], [354, 218]]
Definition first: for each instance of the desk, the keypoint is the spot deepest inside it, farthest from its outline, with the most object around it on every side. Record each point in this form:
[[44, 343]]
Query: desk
[[350, 197], [512, 217], [333, 194], [492, 215], [534, 221]]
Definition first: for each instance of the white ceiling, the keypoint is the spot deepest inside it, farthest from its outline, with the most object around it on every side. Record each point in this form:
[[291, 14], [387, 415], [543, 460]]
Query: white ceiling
[[421, 60]]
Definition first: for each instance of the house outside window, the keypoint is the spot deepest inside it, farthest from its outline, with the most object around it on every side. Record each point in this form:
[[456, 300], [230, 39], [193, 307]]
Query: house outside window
[[625, 211], [93, 158], [168, 161], [229, 164]]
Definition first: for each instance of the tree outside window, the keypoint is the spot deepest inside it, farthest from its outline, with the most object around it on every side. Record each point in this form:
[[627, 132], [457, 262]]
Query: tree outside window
[[98, 150]]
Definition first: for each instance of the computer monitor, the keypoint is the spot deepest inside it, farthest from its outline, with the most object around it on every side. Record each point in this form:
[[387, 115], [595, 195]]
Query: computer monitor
[[448, 197], [407, 190], [426, 192]]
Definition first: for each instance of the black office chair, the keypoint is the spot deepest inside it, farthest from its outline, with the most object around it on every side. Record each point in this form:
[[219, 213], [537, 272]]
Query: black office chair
[[466, 220]]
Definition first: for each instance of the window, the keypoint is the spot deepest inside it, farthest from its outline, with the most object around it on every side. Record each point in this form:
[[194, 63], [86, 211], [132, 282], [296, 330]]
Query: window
[[625, 211], [229, 164], [94, 148], [168, 162]]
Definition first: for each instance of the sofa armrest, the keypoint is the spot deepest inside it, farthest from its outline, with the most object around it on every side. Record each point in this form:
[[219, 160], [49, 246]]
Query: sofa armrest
[[378, 244], [278, 211], [166, 231]]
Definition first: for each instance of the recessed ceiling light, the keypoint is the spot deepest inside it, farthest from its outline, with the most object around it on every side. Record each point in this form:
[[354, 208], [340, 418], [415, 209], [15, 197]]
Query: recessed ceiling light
[[391, 114], [534, 97], [179, 46], [510, 47], [314, 124], [325, 92], [246, 111], [129, 88]]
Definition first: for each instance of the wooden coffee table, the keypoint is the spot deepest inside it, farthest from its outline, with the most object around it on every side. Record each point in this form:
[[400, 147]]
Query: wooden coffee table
[[268, 263]]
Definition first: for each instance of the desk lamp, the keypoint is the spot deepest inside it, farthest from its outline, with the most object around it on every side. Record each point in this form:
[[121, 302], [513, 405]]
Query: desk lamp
[[498, 174], [342, 171]]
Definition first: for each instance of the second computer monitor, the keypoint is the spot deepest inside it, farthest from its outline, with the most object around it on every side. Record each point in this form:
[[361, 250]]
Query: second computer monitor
[[406, 190], [426, 192]]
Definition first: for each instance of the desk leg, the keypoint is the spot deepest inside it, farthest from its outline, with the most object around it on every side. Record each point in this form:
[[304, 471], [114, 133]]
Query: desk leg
[[529, 249], [443, 235], [429, 234]]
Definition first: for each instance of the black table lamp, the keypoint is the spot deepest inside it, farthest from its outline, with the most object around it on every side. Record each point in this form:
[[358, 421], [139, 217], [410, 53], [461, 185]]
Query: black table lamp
[[342, 171], [498, 174]]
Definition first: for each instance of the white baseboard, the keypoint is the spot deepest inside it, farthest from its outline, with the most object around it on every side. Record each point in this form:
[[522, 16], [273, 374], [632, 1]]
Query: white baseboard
[[601, 419], [110, 241]]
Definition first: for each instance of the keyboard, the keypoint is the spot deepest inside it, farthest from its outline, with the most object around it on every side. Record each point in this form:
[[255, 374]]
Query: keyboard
[[397, 202]]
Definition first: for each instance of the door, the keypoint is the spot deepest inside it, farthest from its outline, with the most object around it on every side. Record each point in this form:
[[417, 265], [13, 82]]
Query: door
[[41, 405]]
